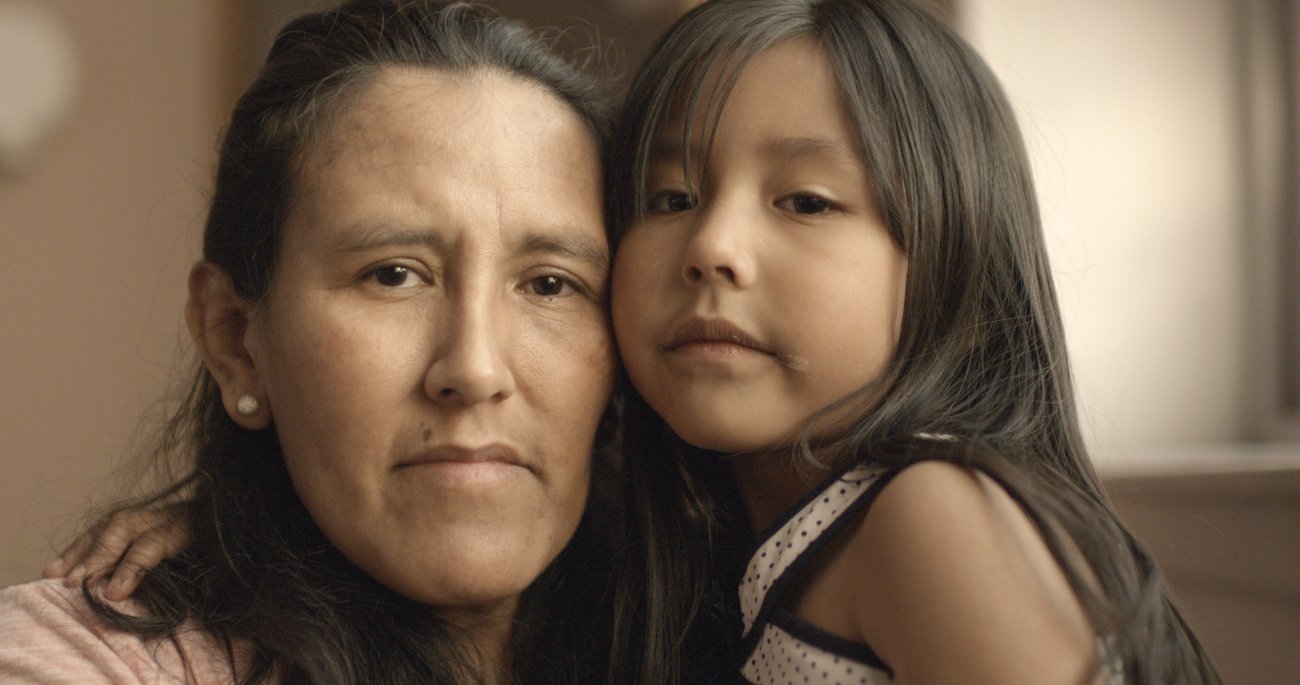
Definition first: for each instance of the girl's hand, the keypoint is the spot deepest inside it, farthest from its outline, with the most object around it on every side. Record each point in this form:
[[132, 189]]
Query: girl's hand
[[122, 548]]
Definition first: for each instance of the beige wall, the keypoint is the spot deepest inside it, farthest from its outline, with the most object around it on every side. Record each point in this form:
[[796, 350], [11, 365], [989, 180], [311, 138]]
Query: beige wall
[[1130, 113], [1134, 123], [97, 238]]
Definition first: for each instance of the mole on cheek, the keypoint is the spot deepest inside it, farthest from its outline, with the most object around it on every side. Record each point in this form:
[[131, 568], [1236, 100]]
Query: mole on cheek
[[428, 433]]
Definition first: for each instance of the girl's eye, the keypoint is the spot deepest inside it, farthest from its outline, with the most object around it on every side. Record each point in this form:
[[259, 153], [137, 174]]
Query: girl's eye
[[807, 204], [548, 286], [670, 201], [396, 276]]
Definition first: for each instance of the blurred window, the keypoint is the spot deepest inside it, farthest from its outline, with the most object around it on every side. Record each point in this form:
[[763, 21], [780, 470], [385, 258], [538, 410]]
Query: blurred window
[[1269, 40]]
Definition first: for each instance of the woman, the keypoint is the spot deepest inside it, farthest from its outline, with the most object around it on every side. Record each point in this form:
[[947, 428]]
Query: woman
[[405, 360]]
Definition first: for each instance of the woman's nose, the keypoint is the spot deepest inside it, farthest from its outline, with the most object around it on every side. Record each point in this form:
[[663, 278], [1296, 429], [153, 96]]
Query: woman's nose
[[472, 363]]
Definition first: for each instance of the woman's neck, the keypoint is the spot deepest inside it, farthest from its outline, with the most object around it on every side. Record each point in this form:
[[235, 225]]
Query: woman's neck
[[488, 637]]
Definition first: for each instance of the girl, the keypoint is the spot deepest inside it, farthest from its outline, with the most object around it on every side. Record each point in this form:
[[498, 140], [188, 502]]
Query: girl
[[830, 278], [852, 399]]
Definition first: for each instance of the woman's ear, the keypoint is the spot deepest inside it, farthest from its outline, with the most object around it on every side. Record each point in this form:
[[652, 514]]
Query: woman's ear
[[218, 319]]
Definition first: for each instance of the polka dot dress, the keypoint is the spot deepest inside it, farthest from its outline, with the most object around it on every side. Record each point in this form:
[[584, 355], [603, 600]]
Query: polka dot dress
[[781, 649], [783, 658]]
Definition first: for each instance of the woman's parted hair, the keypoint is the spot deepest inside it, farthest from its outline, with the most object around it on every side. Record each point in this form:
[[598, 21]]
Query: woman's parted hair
[[981, 355], [259, 574], [317, 63]]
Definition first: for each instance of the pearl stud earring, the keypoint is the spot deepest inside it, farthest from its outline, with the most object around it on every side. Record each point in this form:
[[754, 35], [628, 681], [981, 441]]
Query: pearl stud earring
[[248, 405]]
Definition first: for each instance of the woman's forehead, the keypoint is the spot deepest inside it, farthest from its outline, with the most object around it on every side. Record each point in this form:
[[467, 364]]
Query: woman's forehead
[[423, 149]]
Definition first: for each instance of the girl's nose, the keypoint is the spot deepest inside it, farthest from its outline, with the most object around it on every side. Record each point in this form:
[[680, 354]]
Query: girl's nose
[[719, 251]]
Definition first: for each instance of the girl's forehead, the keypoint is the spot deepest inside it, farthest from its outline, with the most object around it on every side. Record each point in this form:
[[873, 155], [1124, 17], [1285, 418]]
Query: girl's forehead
[[707, 83], [735, 87]]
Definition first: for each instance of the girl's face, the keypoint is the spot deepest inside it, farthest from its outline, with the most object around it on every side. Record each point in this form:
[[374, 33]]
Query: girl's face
[[777, 290]]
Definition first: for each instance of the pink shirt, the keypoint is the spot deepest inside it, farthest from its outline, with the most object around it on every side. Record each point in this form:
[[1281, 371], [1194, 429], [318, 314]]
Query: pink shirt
[[50, 636]]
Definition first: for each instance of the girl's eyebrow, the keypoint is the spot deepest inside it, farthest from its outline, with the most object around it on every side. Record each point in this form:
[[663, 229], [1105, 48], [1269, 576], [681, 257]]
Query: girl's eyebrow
[[670, 149], [801, 147], [787, 148]]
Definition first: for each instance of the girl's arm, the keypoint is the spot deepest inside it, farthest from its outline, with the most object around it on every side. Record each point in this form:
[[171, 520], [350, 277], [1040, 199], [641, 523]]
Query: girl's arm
[[122, 548], [955, 585]]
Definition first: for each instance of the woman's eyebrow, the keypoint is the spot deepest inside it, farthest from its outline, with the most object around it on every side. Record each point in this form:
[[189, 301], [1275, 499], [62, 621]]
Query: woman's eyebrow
[[365, 238], [567, 243], [559, 241]]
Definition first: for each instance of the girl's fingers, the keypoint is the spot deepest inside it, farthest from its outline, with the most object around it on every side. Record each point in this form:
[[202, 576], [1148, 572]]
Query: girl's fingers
[[114, 538], [98, 550], [70, 556], [165, 540]]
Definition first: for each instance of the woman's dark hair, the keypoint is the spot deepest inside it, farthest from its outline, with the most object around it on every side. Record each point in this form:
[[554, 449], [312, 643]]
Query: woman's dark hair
[[259, 574], [981, 354]]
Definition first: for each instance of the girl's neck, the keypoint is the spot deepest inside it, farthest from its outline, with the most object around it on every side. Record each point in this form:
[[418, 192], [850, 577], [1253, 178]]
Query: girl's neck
[[770, 483]]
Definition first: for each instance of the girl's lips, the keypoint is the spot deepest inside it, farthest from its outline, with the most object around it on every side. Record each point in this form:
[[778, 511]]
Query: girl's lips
[[710, 333], [719, 339]]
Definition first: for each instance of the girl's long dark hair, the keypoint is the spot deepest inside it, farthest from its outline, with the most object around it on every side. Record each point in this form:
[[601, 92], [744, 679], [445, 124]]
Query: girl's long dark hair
[[981, 355], [259, 575]]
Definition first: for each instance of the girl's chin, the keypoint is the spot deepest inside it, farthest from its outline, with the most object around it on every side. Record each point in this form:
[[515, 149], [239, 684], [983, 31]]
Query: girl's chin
[[733, 442]]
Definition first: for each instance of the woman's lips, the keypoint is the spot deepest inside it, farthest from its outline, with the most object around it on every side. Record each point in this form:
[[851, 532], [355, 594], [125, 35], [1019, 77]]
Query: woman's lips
[[457, 466]]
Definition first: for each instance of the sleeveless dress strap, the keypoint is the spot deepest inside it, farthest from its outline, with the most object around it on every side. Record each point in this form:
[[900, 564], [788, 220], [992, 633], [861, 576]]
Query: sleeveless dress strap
[[778, 648], [805, 528]]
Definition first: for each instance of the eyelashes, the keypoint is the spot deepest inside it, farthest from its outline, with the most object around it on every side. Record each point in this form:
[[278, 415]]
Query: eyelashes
[[670, 202], [400, 277], [803, 203], [396, 276], [809, 204], [551, 286]]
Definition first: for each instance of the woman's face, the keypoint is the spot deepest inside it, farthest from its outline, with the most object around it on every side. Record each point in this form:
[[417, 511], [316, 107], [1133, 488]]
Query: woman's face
[[434, 347]]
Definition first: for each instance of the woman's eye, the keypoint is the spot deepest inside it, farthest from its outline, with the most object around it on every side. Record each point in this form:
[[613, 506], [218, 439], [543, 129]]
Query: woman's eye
[[396, 276], [548, 286], [670, 201], [807, 204]]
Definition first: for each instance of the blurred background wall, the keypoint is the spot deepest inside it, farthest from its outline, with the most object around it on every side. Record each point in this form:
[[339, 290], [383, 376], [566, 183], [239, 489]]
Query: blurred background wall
[[1164, 141], [1158, 140], [97, 233]]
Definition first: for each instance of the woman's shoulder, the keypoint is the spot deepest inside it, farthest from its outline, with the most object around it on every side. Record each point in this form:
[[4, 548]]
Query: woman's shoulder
[[46, 608], [946, 561], [50, 634]]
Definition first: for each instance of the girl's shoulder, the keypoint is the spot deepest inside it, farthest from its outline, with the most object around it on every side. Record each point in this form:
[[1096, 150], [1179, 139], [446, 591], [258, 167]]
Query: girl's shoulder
[[945, 562], [937, 507]]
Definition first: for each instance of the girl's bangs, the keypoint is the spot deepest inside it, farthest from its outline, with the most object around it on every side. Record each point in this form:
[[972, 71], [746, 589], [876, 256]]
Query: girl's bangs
[[693, 74]]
